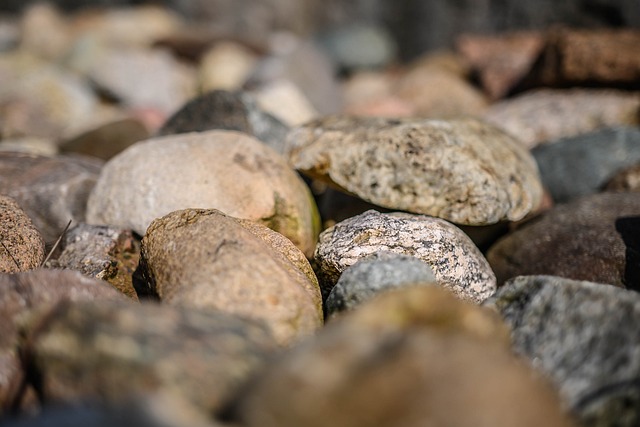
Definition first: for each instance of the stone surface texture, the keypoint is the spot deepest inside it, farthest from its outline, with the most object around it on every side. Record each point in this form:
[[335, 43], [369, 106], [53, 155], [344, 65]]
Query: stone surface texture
[[456, 262], [462, 170], [225, 170], [582, 335], [22, 245]]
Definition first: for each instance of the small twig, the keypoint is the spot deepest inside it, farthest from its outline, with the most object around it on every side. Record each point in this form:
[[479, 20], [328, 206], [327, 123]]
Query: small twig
[[15, 261], [55, 245]]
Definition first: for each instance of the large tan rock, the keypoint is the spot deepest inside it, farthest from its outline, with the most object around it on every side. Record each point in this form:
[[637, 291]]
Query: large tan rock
[[203, 258], [225, 170]]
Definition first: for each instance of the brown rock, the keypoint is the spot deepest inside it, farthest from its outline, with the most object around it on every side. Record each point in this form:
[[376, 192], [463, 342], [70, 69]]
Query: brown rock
[[203, 258], [625, 180], [22, 245]]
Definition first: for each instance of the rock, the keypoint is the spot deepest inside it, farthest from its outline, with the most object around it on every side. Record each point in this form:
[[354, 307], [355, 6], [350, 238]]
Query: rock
[[9, 33], [456, 262], [374, 274], [226, 66], [581, 165], [228, 111], [285, 102], [22, 293], [224, 170], [22, 245], [30, 145], [112, 352], [102, 252], [591, 238], [461, 170], [51, 190], [596, 370], [501, 61], [202, 258], [627, 179], [45, 32], [107, 140], [408, 358], [548, 114], [370, 94]]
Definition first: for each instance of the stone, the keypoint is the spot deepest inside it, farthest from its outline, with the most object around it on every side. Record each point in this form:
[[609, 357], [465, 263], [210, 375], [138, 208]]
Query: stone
[[581, 165], [51, 190], [225, 170], [45, 32], [286, 102], [22, 245], [464, 170], [501, 61], [583, 336], [205, 259], [30, 145], [9, 33], [226, 110], [374, 274], [456, 262], [407, 358], [112, 352], [626, 179], [370, 94], [226, 66], [543, 115], [591, 238], [22, 293], [101, 252]]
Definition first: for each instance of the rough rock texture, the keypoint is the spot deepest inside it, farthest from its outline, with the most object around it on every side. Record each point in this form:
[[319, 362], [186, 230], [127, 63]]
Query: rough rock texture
[[374, 274], [627, 179], [51, 190], [102, 252], [462, 170], [409, 358], [549, 114], [592, 238], [225, 170], [584, 336], [456, 262], [22, 247], [202, 258], [226, 110], [19, 295], [112, 352]]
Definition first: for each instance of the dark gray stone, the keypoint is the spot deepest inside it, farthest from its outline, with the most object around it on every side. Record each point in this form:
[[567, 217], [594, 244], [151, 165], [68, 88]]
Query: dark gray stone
[[375, 274], [584, 336], [581, 165]]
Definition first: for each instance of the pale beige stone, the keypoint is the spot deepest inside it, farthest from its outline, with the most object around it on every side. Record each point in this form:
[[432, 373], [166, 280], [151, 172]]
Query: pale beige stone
[[285, 101], [227, 65]]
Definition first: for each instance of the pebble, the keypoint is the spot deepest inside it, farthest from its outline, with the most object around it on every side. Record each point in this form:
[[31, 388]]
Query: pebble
[[584, 337], [45, 32], [591, 238], [379, 272], [456, 262], [22, 244], [286, 102], [464, 170], [582, 165], [205, 259], [225, 170], [626, 179], [226, 66]]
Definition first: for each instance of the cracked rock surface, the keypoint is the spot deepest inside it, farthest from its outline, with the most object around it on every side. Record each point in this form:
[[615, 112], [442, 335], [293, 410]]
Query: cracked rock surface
[[462, 170], [456, 262]]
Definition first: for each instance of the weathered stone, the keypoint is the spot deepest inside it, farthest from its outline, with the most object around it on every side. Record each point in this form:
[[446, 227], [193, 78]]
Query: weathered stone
[[462, 170], [19, 295], [547, 114], [408, 358], [227, 111], [203, 258], [51, 190], [627, 179], [581, 165], [225, 170], [102, 252], [582, 335], [374, 274], [112, 352], [456, 262], [592, 238], [22, 245]]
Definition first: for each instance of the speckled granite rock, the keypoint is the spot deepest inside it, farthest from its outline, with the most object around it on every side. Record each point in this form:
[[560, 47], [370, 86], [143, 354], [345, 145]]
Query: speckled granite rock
[[225, 170], [379, 272], [584, 336], [408, 358], [22, 245], [203, 258], [456, 262], [462, 170]]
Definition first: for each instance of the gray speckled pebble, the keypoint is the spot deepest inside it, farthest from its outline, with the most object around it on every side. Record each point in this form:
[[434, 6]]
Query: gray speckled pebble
[[374, 274], [585, 337]]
